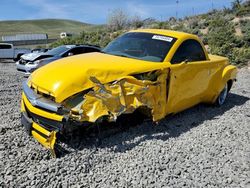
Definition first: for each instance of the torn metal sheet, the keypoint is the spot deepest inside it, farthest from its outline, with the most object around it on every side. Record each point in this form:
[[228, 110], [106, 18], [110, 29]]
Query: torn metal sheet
[[124, 96]]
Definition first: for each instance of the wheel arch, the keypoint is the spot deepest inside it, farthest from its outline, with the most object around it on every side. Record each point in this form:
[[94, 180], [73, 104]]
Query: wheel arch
[[229, 74], [18, 56]]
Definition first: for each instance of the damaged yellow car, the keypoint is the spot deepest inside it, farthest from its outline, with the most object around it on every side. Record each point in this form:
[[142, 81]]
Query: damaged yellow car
[[161, 70]]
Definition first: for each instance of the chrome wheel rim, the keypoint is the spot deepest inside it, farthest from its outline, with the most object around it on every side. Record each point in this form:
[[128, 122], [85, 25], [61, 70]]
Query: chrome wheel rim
[[223, 95]]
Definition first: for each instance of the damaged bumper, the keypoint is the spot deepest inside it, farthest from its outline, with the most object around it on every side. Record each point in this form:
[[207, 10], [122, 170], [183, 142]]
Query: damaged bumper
[[27, 69], [42, 135], [42, 125]]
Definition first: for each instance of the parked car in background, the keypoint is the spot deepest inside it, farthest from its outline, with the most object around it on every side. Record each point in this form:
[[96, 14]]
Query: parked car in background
[[7, 51], [64, 35], [30, 62], [161, 72]]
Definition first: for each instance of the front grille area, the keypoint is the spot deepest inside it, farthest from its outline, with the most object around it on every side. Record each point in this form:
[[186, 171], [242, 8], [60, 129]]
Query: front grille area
[[21, 70], [23, 62], [37, 91], [49, 124]]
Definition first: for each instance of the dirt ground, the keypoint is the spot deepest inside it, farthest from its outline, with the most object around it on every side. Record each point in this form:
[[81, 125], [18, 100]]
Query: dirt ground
[[204, 146]]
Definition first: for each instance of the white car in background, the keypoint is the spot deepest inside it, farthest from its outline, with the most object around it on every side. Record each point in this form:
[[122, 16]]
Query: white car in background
[[7, 51], [30, 62], [27, 62]]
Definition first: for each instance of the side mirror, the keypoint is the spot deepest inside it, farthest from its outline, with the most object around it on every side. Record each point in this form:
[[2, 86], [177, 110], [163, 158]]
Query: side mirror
[[70, 54]]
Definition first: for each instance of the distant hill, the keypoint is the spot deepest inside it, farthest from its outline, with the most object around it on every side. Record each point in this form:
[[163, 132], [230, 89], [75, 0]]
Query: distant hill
[[53, 27]]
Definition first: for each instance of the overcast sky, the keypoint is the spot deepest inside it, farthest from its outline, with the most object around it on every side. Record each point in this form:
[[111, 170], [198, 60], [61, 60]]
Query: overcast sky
[[96, 11]]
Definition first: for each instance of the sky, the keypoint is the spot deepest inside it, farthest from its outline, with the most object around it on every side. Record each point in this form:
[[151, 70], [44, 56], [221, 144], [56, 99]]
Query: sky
[[97, 11]]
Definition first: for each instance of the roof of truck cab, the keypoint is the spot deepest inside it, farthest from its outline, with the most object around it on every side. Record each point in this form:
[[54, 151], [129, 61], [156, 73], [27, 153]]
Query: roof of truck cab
[[175, 34], [2, 43]]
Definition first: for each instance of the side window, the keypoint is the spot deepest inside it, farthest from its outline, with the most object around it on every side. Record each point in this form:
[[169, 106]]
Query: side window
[[190, 50], [78, 50], [5, 46], [92, 50], [74, 51]]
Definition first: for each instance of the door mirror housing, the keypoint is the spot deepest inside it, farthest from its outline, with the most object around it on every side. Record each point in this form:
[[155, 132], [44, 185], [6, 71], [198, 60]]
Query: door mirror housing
[[186, 60]]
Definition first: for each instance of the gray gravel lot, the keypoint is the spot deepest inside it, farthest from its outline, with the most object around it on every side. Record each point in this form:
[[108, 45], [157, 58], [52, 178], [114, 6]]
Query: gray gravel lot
[[201, 147]]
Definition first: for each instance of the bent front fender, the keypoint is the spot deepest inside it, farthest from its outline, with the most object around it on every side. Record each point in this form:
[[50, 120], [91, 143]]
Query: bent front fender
[[124, 96]]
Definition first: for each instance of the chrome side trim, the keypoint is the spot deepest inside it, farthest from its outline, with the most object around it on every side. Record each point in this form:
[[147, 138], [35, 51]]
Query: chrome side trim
[[39, 101]]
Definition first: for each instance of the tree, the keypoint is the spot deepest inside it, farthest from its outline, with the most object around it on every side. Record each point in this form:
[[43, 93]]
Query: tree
[[117, 20], [136, 21], [236, 5]]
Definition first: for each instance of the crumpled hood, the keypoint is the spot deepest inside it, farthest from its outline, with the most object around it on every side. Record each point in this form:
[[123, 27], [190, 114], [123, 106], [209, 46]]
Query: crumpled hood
[[68, 76], [31, 56]]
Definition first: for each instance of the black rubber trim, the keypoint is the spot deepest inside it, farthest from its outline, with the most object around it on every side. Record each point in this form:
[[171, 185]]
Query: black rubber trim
[[26, 122], [21, 70], [40, 133], [48, 124]]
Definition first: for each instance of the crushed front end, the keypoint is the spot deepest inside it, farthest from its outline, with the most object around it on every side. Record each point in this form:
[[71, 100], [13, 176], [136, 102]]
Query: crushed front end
[[44, 119], [41, 117]]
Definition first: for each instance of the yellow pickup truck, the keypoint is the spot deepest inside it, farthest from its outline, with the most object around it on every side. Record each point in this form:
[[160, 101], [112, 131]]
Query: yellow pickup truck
[[161, 70]]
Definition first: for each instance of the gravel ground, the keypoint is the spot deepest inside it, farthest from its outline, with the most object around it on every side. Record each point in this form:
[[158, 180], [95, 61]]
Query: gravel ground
[[201, 147]]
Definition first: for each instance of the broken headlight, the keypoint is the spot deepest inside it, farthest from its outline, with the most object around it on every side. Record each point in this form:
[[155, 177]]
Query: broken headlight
[[35, 62], [74, 100]]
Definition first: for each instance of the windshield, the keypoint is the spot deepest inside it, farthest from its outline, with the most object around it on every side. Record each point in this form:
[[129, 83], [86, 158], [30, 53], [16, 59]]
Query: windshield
[[58, 50], [144, 46]]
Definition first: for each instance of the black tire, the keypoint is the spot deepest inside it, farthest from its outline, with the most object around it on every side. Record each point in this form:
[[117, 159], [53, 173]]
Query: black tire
[[222, 96], [18, 57]]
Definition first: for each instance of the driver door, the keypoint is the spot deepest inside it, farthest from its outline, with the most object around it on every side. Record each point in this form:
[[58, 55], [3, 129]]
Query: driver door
[[190, 74]]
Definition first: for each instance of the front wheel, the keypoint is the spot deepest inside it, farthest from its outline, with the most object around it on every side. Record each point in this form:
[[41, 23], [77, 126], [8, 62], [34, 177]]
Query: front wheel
[[222, 97], [18, 57]]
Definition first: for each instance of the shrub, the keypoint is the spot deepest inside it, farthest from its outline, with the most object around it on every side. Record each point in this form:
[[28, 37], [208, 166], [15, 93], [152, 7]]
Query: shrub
[[222, 41], [240, 56], [101, 38]]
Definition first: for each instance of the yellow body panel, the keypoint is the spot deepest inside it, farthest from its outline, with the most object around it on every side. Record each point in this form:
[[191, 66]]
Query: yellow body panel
[[48, 141], [114, 89]]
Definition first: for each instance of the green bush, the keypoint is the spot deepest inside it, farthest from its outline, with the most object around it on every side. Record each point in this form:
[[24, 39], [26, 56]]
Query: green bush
[[241, 8], [223, 41], [244, 11], [240, 56], [245, 28], [101, 38]]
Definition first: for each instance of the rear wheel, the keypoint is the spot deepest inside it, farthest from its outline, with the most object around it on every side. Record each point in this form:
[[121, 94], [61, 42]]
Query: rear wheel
[[223, 95]]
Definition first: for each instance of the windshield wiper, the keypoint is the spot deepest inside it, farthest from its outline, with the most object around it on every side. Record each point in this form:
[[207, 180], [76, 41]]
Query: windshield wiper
[[117, 54]]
